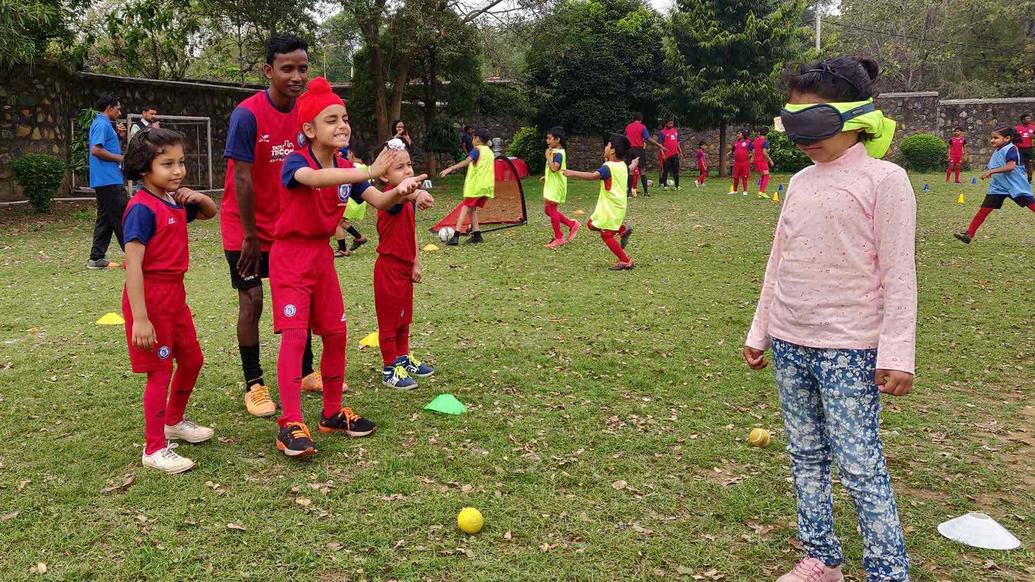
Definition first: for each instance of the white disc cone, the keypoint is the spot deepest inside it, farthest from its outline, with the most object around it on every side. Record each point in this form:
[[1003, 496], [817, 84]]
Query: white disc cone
[[980, 531]]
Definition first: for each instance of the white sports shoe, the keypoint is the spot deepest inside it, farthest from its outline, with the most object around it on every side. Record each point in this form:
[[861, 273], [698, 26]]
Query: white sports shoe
[[167, 461], [189, 431]]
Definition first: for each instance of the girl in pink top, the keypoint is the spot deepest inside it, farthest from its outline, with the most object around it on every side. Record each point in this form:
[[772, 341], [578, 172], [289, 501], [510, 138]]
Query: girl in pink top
[[838, 308]]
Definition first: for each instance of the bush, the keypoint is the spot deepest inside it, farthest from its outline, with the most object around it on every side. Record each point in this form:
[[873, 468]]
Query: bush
[[529, 144], [786, 156], [923, 152], [40, 176]]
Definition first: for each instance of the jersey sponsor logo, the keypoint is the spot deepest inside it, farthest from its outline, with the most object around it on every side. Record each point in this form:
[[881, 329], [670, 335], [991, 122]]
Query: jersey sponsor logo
[[264, 138], [281, 151], [172, 220], [290, 310], [343, 318], [343, 193], [163, 352]]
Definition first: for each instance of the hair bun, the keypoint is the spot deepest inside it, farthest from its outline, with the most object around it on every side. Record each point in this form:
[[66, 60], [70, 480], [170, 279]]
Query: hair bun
[[871, 67]]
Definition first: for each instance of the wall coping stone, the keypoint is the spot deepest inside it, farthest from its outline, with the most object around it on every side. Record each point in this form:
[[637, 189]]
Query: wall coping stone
[[1005, 100], [909, 94]]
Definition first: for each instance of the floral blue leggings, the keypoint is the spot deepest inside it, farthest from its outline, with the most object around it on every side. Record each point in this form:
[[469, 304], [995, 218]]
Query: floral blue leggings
[[831, 411]]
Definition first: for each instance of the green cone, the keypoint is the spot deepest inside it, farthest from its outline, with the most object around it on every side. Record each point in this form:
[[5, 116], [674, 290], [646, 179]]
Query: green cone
[[446, 404]]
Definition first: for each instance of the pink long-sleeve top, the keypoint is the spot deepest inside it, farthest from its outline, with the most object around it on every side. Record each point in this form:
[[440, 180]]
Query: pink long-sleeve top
[[842, 272]]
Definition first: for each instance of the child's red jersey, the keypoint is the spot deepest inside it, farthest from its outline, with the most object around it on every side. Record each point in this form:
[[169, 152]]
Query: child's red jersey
[[742, 151], [956, 147], [262, 135], [396, 231], [312, 213], [161, 226]]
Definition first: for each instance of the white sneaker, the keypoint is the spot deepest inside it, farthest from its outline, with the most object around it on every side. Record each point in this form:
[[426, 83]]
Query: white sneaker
[[167, 461], [189, 431]]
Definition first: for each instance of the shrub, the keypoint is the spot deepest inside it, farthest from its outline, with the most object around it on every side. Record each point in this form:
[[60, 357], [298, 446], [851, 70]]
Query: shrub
[[786, 156], [529, 144], [923, 152], [40, 176]]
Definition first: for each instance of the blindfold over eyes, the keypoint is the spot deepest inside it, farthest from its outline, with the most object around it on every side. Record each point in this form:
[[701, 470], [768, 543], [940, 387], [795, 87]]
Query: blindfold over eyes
[[812, 123]]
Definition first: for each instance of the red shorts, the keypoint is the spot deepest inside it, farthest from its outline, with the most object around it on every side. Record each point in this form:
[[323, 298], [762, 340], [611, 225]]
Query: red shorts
[[393, 293], [761, 166], [167, 311], [305, 288], [478, 202], [741, 169], [955, 163]]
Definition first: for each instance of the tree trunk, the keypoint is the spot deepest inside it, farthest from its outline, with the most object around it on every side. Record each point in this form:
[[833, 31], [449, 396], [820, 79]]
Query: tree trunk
[[431, 103], [402, 75], [722, 149], [369, 18]]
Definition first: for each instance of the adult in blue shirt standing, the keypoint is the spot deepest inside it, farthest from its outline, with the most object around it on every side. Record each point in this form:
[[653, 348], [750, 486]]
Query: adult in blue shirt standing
[[106, 179]]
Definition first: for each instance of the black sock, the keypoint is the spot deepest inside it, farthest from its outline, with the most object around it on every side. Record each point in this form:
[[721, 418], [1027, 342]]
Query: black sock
[[355, 233], [307, 355], [342, 245], [250, 365]]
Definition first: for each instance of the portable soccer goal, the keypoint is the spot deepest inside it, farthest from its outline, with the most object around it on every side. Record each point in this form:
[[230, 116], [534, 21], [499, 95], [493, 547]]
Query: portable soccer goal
[[506, 209]]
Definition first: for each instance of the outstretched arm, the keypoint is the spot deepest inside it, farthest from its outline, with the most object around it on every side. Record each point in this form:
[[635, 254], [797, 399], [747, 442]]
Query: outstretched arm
[[582, 175]]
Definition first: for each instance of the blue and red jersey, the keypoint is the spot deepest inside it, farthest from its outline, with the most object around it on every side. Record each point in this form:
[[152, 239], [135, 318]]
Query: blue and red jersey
[[669, 138], [161, 226], [956, 147], [742, 151], [1026, 132], [637, 134], [396, 232], [264, 136], [758, 146], [307, 212]]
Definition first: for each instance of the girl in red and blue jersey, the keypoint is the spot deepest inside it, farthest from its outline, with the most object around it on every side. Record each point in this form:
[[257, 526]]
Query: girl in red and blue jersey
[[159, 325], [741, 161], [957, 151]]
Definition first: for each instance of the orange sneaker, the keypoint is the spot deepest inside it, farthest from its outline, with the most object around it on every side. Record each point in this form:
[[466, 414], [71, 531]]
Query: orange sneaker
[[313, 382], [294, 440], [258, 402], [555, 243]]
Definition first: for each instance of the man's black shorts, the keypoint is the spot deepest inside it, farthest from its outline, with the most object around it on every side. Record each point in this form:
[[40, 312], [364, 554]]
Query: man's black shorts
[[235, 278], [1027, 155], [994, 201]]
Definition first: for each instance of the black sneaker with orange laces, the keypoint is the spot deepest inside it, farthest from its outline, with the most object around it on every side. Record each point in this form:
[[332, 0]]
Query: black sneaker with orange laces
[[348, 422], [295, 440]]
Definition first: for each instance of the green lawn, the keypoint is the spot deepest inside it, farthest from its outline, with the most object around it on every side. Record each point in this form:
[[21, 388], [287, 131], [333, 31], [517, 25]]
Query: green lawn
[[608, 412]]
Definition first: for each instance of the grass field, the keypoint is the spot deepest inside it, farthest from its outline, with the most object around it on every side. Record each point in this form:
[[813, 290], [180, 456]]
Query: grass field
[[608, 412]]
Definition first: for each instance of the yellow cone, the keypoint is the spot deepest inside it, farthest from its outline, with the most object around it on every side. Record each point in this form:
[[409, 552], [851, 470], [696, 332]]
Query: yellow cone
[[111, 318], [961, 199], [430, 248], [370, 341], [732, 188], [776, 197]]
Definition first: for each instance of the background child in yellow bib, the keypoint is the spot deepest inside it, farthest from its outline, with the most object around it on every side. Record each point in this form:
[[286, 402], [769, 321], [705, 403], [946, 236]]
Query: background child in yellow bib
[[354, 212], [479, 186], [610, 211], [555, 188]]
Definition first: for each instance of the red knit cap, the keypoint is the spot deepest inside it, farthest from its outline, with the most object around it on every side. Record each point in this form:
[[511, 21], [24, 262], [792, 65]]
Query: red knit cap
[[317, 97]]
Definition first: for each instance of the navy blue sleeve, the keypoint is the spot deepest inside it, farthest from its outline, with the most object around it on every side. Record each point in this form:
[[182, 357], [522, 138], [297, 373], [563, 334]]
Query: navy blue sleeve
[[1013, 155], [473, 154], [558, 158], [240, 138], [645, 134], [357, 191], [192, 211], [605, 172], [139, 224], [292, 164], [766, 144]]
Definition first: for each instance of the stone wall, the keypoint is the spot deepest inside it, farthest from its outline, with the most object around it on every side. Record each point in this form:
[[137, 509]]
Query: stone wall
[[978, 117]]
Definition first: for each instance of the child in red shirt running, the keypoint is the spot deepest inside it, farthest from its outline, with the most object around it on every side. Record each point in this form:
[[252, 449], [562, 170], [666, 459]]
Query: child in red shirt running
[[702, 164], [159, 325], [957, 151], [761, 159], [741, 151], [306, 292], [1025, 131], [396, 270]]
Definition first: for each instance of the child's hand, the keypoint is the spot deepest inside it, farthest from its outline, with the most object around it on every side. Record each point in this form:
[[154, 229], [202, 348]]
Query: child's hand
[[549, 154], [986, 175], [410, 185], [416, 276], [144, 336], [386, 159], [542, 179], [894, 382], [567, 174], [424, 200], [444, 173], [184, 196], [755, 358]]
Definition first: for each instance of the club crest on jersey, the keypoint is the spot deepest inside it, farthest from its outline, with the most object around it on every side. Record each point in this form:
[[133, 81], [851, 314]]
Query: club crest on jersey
[[163, 352], [343, 193], [290, 310], [301, 139]]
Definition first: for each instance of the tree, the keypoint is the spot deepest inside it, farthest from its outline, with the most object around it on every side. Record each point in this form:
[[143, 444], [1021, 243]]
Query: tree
[[153, 38], [725, 56], [370, 15], [28, 26], [593, 64]]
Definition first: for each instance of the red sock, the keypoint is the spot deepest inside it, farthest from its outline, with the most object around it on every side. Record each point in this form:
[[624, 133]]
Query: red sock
[[565, 220], [155, 393], [555, 220], [389, 350], [332, 369], [948, 172], [765, 183], [980, 217], [616, 248], [957, 173], [188, 366], [289, 374], [1031, 207], [402, 340]]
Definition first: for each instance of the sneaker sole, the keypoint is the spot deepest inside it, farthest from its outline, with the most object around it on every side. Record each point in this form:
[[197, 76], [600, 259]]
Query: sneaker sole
[[263, 414], [179, 437], [352, 433], [295, 454], [96, 268], [403, 388], [171, 472], [428, 375]]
